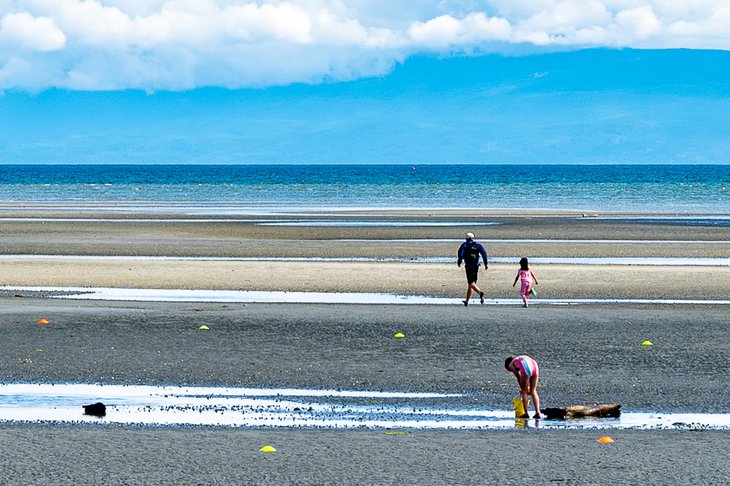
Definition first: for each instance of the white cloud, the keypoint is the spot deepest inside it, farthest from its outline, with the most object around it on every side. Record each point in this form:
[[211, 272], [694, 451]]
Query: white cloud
[[180, 44], [441, 31], [447, 31], [638, 23], [282, 22], [712, 30], [568, 15], [23, 31]]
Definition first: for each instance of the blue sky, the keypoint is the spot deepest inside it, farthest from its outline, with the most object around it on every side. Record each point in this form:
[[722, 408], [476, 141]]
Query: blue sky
[[349, 81]]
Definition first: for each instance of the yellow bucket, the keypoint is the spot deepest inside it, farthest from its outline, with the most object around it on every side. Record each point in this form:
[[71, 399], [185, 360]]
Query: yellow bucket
[[519, 407]]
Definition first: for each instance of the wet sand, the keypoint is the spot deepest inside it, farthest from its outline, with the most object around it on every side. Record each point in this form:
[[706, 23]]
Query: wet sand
[[90, 455], [533, 234], [445, 280], [95, 233], [587, 354]]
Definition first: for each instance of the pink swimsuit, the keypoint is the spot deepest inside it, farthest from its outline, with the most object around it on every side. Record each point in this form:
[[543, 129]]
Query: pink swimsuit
[[526, 365], [525, 282]]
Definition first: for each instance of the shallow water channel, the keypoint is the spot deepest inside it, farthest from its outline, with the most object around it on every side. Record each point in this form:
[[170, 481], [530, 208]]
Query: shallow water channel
[[294, 408]]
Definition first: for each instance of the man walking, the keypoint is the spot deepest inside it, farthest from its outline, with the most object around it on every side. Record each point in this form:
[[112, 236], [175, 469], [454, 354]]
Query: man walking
[[469, 253]]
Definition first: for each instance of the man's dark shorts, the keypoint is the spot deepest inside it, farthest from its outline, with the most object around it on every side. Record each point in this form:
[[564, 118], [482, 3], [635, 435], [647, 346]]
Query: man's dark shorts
[[471, 274]]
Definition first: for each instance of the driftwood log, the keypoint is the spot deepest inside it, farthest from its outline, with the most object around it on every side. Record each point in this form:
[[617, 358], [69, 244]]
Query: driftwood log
[[583, 411]]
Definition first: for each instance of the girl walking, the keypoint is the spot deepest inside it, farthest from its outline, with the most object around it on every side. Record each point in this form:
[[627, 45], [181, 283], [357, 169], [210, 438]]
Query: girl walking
[[525, 275]]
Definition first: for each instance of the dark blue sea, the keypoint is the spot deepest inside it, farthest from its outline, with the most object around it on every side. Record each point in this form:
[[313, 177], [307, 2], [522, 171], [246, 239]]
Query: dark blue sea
[[680, 189]]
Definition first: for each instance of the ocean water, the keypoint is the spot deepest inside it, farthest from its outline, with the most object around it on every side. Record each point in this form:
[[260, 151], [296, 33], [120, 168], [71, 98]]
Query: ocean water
[[668, 189]]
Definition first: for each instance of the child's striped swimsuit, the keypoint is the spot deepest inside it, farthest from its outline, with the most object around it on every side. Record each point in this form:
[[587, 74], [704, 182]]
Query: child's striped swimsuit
[[526, 365]]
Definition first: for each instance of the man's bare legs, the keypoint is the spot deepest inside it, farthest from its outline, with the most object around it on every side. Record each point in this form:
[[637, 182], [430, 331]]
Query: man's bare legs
[[473, 287]]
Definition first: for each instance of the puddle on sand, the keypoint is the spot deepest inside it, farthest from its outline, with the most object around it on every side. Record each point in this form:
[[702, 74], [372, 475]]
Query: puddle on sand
[[273, 297], [294, 408]]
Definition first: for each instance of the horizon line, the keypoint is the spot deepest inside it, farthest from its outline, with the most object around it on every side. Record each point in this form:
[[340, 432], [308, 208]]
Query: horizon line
[[404, 164]]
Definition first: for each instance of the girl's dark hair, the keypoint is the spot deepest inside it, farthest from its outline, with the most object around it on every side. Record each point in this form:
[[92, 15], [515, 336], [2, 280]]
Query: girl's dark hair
[[523, 264], [508, 361]]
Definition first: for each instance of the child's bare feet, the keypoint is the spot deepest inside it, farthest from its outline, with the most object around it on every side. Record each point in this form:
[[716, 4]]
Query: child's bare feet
[[527, 415], [537, 416]]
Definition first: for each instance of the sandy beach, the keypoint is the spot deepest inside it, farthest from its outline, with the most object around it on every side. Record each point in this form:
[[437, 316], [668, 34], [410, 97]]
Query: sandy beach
[[588, 353], [266, 247], [60, 455]]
